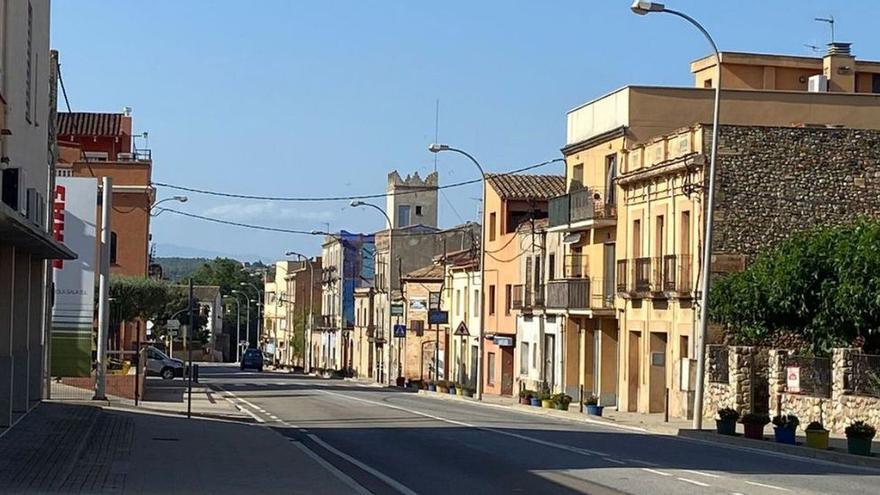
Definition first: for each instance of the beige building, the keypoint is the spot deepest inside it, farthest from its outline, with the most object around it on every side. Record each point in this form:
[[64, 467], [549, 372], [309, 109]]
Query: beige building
[[461, 298], [423, 343], [276, 332], [616, 244]]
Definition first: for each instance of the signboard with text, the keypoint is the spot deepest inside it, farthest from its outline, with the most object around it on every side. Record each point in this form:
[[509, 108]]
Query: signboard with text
[[793, 379], [437, 317], [74, 223], [397, 310]]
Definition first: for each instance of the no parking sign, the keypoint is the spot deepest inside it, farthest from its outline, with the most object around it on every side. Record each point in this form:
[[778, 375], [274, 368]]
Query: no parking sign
[[793, 379]]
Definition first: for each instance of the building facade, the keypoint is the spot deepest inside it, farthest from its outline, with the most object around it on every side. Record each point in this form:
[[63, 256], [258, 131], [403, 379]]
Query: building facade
[[304, 295], [461, 298], [424, 347]]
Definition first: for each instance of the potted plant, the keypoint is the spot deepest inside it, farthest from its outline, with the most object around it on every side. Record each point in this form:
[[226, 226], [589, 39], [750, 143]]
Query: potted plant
[[725, 421], [593, 407], [535, 399], [546, 400], [784, 427], [858, 438], [753, 425], [561, 401], [442, 386], [817, 436], [451, 387], [525, 396], [468, 391], [459, 389], [432, 387]]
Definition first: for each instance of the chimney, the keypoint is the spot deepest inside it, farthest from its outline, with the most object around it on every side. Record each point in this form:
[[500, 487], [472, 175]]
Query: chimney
[[838, 65]]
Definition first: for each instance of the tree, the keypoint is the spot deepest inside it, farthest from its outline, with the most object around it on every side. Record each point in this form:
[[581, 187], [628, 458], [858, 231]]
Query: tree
[[150, 299], [226, 273], [821, 288]]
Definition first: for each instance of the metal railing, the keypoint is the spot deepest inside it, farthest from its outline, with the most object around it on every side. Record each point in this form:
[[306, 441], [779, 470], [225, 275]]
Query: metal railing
[[865, 376], [677, 270], [642, 274], [815, 375], [518, 297], [622, 275], [579, 294], [526, 297], [576, 266], [558, 210], [579, 205]]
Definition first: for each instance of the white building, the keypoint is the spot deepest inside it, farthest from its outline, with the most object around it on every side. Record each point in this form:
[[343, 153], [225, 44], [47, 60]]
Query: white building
[[462, 296]]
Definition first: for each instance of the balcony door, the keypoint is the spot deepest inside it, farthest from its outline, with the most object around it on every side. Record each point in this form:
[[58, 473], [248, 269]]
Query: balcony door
[[608, 273]]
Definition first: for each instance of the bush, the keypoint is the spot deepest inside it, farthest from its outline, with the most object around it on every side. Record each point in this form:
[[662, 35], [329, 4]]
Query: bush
[[562, 399], [727, 414], [860, 429], [592, 401], [787, 421], [815, 426], [755, 419]]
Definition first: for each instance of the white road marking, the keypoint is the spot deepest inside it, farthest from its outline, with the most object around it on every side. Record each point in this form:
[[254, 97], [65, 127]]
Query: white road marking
[[701, 473], [641, 462], [354, 485], [240, 408], [613, 461], [772, 487], [400, 487], [654, 471], [693, 482]]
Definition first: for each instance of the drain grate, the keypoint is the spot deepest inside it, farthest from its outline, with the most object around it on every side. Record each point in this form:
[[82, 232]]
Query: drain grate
[[165, 439]]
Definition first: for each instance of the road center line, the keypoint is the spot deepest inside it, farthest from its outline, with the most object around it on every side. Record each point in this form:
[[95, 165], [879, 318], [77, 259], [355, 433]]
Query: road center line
[[613, 461], [400, 487], [772, 487], [354, 485], [693, 482], [654, 471]]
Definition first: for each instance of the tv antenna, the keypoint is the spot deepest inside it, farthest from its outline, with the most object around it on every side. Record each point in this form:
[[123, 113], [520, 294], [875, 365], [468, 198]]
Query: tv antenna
[[813, 48], [830, 21]]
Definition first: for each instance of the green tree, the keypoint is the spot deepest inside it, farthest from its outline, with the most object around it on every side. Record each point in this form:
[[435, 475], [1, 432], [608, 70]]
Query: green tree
[[149, 299], [820, 288], [226, 273]]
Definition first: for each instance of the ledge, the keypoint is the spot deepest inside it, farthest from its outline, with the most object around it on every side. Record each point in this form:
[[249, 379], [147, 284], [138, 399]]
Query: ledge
[[18, 231]]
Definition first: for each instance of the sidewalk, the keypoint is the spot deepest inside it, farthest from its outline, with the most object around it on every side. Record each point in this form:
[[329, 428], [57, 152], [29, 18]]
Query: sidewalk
[[654, 423], [78, 448], [171, 397]]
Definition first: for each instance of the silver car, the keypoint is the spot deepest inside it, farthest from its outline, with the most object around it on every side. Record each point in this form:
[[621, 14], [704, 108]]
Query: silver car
[[159, 364]]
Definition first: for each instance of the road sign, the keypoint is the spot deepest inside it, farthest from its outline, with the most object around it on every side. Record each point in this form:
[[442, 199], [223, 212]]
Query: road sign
[[462, 330], [173, 333], [793, 380], [397, 309], [437, 317], [172, 324], [400, 330]]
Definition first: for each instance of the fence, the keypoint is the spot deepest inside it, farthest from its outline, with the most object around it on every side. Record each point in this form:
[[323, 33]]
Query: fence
[[864, 378], [124, 379], [718, 364], [814, 375]]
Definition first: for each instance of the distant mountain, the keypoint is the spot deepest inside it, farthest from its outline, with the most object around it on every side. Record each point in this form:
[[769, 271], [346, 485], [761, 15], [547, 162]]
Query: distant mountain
[[176, 251], [177, 269]]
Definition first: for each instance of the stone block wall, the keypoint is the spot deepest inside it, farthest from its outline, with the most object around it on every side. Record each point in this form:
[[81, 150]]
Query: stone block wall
[[737, 393], [775, 181]]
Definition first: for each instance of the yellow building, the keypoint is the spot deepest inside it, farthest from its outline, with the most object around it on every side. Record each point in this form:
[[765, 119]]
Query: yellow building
[[275, 318], [619, 345]]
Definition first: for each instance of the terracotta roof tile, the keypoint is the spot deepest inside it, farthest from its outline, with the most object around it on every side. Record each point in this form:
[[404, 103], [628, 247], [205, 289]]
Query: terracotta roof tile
[[527, 186], [430, 272], [89, 124]]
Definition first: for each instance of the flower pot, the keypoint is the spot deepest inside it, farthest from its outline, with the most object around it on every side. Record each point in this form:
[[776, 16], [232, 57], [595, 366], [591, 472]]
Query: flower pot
[[858, 445], [525, 401], [468, 393], [817, 439], [442, 390], [755, 431], [451, 390], [784, 435], [459, 391], [595, 410], [562, 407], [547, 404], [432, 388], [725, 427], [535, 402]]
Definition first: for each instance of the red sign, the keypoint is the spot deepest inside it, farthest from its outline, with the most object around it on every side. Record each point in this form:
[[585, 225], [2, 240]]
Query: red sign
[[58, 220]]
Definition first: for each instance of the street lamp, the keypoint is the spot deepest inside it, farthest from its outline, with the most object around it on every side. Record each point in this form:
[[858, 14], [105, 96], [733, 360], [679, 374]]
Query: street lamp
[[259, 303], [235, 295], [356, 204], [642, 7], [437, 148], [307, 340], [248, 315], [179, 199]]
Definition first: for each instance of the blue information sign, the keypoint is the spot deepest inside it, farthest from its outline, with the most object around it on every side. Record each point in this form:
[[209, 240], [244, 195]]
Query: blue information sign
[[400, 330]]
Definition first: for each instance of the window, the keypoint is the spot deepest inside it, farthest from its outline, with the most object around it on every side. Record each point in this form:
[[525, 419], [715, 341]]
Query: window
[[418, 211], [417, 326], [610, 175], [490, 369], [524, 359], [637, 239], [707, 83], [492, 220], [477, 303], [659, 236], [577, 175], [402, 216], [28, 85], [539, 282], [491, 299], [508, 293], [113, 247], [535, 358], [458, 302], [551, 267], [685, 233]]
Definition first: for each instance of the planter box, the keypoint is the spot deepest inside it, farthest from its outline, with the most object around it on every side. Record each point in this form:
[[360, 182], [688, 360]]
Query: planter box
[[547, 404], [754, 431], [535, 402], [432, 388], [451, 390], [784, 435], [526, 401], [561, 407], [858, 445], [459, 391], [817, 439], [594, 410]]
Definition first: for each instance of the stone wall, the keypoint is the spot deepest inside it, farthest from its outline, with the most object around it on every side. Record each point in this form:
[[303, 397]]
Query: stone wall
[[737, 393], [774, 181]]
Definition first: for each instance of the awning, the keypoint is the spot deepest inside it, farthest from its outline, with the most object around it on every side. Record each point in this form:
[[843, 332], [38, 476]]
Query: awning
[[18, 231], [572, 238]]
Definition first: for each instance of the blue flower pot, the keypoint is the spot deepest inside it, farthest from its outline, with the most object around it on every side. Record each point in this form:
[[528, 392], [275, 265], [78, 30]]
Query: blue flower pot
[[451, 390], [535, 402], [595, 410], [784, 435], [432, 388]]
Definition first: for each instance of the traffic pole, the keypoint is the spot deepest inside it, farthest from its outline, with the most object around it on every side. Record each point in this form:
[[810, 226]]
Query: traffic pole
[[103, 291], [192, 329]]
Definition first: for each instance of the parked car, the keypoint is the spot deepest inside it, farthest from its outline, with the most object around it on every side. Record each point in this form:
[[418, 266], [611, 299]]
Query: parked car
[[159, 364], [252, 359]]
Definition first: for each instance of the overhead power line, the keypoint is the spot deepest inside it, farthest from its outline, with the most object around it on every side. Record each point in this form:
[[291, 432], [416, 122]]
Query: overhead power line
[[346, 198]]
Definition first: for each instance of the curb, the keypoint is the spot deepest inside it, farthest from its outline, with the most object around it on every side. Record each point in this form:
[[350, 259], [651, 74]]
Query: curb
[[830, 455]]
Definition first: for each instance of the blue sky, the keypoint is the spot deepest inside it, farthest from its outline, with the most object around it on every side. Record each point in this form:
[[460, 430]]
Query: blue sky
[[306, 98]]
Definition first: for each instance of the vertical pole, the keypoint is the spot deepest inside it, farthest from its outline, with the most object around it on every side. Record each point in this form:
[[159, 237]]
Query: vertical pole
[[483, 296], [248, 322], [307, 338], [666, 406], [190, 332], [137, 369], [237, 329], [104, 290], [390, 285]]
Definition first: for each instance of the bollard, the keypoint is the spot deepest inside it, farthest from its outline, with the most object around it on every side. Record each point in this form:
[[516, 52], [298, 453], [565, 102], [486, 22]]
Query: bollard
[[196, 373], [666, 406], [580, 398]]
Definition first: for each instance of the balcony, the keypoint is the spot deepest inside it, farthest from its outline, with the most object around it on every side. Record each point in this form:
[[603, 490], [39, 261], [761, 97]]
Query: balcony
[[526, 298], [580, 205], [576, 266], [666, 276], [642, 275], [678, 274], [580, 294]]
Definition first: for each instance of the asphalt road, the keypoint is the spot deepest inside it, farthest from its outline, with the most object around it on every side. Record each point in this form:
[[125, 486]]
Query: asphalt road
[[378, 440]]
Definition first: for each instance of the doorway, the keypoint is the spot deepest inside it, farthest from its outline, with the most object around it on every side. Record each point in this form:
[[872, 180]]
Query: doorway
[[472, 370], [609, 287], [657, 400], [507, 371], [550, 360], [634, 371]]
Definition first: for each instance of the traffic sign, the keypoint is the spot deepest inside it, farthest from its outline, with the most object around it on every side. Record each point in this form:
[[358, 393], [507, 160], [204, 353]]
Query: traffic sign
[[172, 324], [400, 330], [462, 330], [396, 309], [438, 317]]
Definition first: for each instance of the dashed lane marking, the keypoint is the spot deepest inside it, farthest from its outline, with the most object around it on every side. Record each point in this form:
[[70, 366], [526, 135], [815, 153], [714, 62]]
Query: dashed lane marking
[[694, 482], [764, 485], [654, 471], [354, 485], [701, 473], [400, 487]]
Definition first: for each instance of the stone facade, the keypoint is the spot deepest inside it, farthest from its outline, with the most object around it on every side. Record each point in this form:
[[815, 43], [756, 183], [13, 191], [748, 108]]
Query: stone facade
[[744, 363], [830, 177]]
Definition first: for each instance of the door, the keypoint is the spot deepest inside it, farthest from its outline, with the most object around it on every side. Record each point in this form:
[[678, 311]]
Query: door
[[634, 371], [472, 369], [507, 371], [609, 286], [657, 376], [550, 360]]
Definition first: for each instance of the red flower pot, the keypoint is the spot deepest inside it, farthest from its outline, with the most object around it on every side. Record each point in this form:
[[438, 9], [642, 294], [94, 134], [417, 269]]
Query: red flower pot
[[754, 431]]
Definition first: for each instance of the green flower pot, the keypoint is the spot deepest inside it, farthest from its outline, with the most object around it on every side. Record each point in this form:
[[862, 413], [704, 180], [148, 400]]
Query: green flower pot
[[858, 445]]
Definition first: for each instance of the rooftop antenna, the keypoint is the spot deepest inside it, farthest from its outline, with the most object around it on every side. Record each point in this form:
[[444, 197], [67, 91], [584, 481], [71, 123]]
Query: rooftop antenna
[[436, 128], [813, 48], [830, 21]]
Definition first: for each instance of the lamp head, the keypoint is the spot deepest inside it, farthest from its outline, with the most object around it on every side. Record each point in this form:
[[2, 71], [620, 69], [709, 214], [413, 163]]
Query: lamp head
[[182, 199], [242, 284], [437, 148], [355, 204], [643, 7]]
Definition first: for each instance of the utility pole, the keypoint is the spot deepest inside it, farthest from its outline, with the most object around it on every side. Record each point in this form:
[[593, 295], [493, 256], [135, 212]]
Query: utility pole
[[192, 330], [104, 291]]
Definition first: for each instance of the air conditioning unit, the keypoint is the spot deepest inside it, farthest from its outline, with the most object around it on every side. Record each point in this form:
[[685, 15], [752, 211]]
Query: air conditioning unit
[[36, 207], [817, 84]]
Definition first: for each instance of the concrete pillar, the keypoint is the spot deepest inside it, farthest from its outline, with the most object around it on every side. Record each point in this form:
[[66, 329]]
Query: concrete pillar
[[7, 269], [36, 339], [20, 325]]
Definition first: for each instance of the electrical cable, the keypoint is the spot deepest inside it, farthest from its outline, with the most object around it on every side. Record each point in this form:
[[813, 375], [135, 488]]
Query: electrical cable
[[350, 198], [67, 103]]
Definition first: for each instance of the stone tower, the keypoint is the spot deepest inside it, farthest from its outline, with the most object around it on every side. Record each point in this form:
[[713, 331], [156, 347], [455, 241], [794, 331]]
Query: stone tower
[[412, 201]]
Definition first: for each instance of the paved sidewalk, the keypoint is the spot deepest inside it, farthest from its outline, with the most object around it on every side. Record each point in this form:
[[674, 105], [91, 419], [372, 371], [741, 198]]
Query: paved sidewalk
[[171, 397]]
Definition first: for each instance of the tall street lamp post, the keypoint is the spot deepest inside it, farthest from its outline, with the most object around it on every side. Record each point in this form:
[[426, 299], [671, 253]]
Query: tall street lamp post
[[387, 356], [259, 305], [437, 148], [179, 199], [642, 7], [307, 338], [247, 317]]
